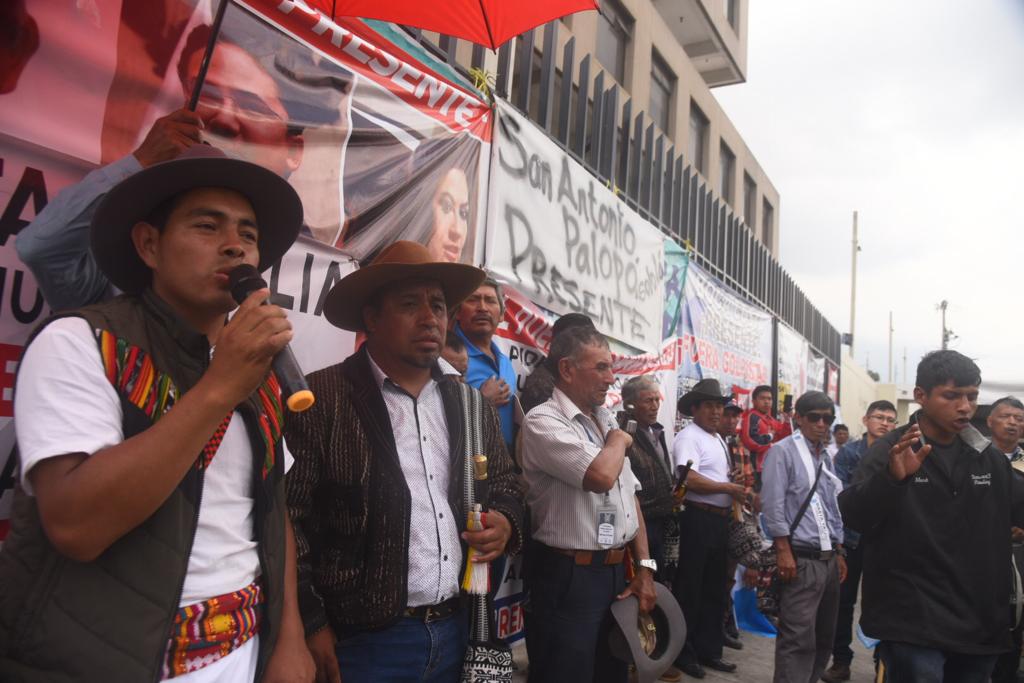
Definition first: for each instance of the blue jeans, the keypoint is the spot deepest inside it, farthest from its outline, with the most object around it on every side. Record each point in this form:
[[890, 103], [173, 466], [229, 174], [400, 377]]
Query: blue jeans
[[409, 651], [906, 663]]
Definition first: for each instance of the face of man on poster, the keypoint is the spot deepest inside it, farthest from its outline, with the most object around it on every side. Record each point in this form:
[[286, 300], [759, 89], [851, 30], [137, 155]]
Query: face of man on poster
[[241, 110]]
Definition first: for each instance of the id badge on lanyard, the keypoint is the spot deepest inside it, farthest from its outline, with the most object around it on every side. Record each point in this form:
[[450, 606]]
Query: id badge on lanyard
[[606, 523]]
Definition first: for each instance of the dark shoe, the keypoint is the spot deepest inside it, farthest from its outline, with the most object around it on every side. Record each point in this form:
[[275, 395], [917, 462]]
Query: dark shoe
[[732, 642], [719, 665], [692, 669], [836, 673]]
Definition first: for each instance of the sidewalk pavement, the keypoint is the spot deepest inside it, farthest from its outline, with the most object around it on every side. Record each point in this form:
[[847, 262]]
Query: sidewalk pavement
[[755, 662]]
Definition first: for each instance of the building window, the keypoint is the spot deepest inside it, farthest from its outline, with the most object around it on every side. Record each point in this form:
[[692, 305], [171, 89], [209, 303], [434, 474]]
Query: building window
[[663, 86], [728, 178], [749, 201], [614, 27], [698, 140], [732, 14], [767, 224]]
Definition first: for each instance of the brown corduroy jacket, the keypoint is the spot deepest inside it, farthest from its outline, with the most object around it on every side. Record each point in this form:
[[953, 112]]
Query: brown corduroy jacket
[[350, 504]]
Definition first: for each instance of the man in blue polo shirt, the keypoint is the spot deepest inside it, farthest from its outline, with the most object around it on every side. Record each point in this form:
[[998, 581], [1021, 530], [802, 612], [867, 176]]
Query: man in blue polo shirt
[[489, 370]]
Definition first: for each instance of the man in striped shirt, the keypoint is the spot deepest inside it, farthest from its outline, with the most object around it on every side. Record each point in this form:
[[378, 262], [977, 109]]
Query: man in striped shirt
[[582, 495]]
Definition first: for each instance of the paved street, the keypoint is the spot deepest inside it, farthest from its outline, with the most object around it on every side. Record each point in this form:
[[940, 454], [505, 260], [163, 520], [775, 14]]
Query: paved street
[[755, 662]]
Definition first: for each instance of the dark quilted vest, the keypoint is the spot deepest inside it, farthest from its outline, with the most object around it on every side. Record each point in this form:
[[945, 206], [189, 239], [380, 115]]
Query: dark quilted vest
[[109, 620]]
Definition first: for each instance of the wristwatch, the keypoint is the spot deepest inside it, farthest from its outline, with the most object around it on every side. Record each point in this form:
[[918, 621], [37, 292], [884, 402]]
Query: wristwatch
[[649, 564]]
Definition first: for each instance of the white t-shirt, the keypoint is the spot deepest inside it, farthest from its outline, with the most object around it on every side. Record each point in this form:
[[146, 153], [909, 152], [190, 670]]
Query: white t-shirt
[[64, 403], [710, 458]]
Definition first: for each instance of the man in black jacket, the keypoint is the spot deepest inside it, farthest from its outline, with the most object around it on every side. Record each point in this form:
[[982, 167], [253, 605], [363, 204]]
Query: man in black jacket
[[933, 501]]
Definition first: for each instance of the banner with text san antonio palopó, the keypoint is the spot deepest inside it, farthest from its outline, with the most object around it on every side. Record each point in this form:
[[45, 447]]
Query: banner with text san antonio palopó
[[559, 236], [722, 337]]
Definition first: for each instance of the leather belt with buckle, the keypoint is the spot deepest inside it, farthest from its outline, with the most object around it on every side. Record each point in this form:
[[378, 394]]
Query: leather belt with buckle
[[589, 557], [713, 509], [813, 553], [429, 613]]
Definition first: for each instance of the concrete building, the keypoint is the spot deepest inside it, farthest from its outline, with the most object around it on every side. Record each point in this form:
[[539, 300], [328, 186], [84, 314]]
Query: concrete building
[[667, 55]]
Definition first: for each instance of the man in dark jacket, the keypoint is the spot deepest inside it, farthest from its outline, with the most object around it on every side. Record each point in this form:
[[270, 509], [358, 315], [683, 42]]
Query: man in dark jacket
[[378, 488], [933, 501]]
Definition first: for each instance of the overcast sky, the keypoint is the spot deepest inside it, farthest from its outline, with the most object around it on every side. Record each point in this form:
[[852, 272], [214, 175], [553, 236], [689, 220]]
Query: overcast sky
[[912, 113]]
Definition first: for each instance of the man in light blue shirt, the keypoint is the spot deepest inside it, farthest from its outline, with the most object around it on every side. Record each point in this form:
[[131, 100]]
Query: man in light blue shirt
[[808, 533], [489, 369]]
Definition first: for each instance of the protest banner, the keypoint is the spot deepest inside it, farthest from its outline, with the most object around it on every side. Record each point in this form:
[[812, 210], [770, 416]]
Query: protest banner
[[567, 242], [793, 352], [832, 386], [815, 370], [722, 337]]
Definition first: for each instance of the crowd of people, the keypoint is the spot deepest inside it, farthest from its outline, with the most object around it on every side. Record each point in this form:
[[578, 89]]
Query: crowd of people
[[173, 520]]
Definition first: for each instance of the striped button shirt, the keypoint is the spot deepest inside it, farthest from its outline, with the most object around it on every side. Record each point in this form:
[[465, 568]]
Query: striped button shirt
[[421, 438], [559, 443]]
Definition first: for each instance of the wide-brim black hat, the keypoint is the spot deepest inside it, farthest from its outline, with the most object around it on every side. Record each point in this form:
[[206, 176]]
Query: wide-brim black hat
[[276, 205], [652, 643], [402, 260], [704, 390]]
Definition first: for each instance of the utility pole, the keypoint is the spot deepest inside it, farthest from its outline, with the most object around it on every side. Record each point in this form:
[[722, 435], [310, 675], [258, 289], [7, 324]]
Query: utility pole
[[890, 347], [853, 284], [947, 334]]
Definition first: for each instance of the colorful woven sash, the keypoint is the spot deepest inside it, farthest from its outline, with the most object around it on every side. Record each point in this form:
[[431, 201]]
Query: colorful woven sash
[[132, 374], [207, 631]]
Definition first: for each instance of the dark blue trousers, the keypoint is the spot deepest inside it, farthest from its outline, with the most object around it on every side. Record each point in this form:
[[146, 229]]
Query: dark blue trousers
[[568, 621]]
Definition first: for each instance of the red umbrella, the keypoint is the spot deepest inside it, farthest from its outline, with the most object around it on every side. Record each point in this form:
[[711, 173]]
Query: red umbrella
[[485, 22]]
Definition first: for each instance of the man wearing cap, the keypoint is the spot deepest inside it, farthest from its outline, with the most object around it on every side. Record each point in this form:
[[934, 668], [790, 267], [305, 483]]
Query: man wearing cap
[[540, 383], [149, 533], [585, 514], [799, 500], [704, 527], [377, 491]]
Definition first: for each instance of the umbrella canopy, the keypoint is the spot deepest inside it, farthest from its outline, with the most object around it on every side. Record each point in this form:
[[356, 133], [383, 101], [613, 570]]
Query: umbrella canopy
[[485, 22]]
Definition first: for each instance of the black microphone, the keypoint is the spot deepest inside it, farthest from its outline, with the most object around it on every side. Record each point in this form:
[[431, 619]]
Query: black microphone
[[244, 280]]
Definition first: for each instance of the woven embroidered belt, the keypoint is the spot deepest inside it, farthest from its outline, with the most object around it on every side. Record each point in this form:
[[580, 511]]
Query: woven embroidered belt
[[210, 630]]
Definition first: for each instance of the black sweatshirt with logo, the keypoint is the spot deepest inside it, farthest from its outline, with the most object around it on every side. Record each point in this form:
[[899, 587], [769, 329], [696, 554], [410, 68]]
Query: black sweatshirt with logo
[[937, 545]]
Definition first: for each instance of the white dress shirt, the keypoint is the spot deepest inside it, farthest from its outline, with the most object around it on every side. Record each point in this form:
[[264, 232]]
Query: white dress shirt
[[421, 439], [710, 457]]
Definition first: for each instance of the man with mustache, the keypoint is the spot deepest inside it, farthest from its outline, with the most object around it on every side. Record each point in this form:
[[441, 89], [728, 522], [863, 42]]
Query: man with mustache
[[585, 512], [377, 490], [933, 501], [489, 369]]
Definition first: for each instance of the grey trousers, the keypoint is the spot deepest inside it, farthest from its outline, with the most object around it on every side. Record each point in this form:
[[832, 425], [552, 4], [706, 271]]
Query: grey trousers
[[808, 606]]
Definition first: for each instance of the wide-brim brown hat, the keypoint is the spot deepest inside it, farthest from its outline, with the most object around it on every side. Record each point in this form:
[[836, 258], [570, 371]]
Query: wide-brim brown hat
[[650, 642], [704, 390], [276, 205], [399, 261]]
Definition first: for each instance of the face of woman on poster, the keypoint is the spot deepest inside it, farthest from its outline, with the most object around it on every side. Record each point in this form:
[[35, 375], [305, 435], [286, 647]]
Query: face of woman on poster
[[450, 208]]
